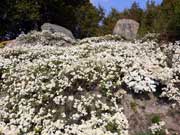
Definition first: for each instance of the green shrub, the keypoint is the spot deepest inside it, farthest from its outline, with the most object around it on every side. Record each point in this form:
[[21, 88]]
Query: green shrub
[[113, 127], [156, 119], [133, 105], [2, 45]]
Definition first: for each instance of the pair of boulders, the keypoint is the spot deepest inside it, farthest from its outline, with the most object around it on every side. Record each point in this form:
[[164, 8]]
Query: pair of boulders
[[126, 28]]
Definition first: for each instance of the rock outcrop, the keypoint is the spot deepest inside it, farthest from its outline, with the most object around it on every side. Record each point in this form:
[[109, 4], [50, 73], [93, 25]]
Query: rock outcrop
[[127, 28], [56, 28], [44, 38]]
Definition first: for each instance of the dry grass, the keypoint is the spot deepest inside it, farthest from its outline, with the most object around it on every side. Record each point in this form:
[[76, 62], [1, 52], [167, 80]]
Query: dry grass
[[4, 43]]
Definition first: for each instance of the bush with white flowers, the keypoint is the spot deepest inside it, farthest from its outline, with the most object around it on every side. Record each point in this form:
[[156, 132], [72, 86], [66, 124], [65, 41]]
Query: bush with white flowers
[[54, 90], [158, 128]]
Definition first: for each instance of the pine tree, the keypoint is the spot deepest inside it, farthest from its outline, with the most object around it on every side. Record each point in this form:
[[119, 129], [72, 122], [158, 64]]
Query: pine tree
[[80, 16], [170, 14], [110, 21], [88, 20], [5, 18], [148, 20], [135, 12]]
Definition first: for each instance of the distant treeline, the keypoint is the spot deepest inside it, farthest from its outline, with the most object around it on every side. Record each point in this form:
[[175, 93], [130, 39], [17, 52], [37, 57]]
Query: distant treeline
[[84, 19]]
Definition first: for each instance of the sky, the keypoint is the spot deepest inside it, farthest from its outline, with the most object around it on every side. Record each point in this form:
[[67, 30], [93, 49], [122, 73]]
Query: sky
[[120, 4]]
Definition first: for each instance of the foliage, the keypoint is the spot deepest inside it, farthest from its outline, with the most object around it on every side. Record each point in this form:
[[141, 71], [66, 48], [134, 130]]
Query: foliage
[[133, 105], [164, 19], [112, 127], [17, 16], [3, 44], [135, 12], [155, 119], [110, 21], [148, 19], [88, 18]]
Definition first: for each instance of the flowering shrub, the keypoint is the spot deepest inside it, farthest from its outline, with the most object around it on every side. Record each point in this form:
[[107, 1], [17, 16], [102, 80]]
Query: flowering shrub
[[158, 128], [101, 39], [48, 89]]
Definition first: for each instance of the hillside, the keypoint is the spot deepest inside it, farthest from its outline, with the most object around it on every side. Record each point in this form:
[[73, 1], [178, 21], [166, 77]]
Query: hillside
[[51, 84]]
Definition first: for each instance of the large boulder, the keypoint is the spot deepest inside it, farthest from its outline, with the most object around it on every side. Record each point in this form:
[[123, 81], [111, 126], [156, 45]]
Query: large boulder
[[45, 38], [126, 28], [56, 28]]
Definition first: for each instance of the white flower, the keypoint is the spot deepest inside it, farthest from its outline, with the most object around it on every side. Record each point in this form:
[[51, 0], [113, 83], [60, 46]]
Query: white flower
[[70, 98]]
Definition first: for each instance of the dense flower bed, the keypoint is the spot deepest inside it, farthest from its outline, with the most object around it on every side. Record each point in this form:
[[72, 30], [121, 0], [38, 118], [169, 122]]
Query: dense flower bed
[[77, 90]]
